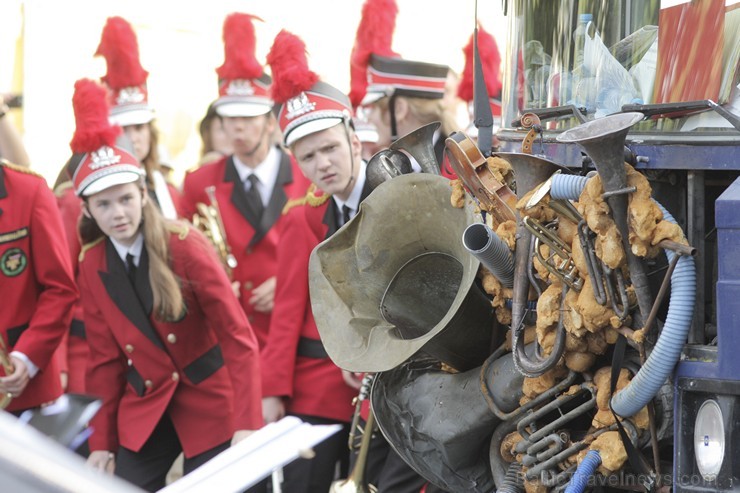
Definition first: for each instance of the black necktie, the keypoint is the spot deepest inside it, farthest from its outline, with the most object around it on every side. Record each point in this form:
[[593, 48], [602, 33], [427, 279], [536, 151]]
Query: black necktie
[[253, 196], [131, 269], [345, 214]]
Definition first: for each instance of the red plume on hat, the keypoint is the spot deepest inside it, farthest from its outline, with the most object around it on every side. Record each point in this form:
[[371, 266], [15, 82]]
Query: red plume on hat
[[93, 130], [303, 104], [239, 47], [374, 36], [290, 72], [490, 62], [102, 164], [119, 47]]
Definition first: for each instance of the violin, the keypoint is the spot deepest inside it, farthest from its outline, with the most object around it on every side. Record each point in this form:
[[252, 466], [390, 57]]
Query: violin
[[472, 168]]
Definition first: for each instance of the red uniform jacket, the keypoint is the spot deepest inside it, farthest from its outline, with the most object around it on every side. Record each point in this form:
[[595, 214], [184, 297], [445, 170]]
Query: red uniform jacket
[[73, 352], [253, 243], [202, 370], [37, 287], [299, 367]]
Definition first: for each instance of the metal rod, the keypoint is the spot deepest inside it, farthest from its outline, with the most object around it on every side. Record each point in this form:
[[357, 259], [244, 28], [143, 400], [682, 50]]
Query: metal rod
[[659, 297], [678, 248], [620, 191]]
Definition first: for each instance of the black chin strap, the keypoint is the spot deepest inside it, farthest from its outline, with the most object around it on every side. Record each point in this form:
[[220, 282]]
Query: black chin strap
[[259, 142], [392, 109]]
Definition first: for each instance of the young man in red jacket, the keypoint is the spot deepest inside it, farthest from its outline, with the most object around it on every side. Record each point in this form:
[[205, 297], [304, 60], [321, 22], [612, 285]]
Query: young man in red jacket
[[253, 184], [302, 380]]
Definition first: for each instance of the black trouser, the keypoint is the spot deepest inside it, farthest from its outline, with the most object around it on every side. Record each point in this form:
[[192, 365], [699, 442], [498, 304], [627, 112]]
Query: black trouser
[[148, 468], [316, 475]]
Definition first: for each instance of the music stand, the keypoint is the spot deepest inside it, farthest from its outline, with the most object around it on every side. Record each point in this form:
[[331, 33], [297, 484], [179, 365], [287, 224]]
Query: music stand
[[255, 457]]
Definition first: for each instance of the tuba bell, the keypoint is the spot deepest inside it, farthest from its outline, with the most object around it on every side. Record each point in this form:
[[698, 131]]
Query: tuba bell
[[208, 221], [392, 162], [419, 144], [397, 280]]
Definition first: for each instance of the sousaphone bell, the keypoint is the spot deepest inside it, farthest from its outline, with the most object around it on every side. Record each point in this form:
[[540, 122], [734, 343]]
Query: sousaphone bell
[[397, 280]]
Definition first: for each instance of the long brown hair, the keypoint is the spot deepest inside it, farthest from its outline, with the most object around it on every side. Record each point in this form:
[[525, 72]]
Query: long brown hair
[[151, 161], [169, 305]]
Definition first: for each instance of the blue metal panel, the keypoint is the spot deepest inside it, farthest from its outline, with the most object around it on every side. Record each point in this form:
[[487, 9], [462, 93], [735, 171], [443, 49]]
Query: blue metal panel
[[727, 220], [672, 153]]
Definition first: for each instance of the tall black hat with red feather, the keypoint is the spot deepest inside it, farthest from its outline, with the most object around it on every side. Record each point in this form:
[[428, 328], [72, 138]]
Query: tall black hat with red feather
[[303, 104], [125, 78], [243, 87]]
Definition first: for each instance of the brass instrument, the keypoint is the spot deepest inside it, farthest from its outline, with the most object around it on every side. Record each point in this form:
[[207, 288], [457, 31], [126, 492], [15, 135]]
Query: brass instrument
[[420, 145], [529, 172], [599, 274], [560, 261], [418, 289], [392, 162], [603, 140], [208, 220], [7, 365], [356, 481]]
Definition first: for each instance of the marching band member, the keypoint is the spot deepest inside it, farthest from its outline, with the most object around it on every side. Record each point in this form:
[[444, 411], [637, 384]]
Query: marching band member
[[130, 109], [385, 469], [214, 142], [172, 355], [254, 183], [315, 119], [36, 285], [397, 95]]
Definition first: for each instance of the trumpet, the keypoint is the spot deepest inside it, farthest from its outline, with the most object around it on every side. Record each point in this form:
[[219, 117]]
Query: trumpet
[[7, 365], [208, 220]]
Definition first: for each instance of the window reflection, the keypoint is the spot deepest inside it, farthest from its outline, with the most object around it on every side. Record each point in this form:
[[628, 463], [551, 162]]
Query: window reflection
[[602, 55]]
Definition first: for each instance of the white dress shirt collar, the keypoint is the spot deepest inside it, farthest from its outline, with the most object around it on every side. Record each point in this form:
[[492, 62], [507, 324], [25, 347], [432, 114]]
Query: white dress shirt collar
[[266, 171], [353, 201], [135, 249]]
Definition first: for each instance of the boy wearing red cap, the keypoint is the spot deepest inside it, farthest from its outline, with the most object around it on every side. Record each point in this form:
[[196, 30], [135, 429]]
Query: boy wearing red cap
[[253, 184], [172, 355], [315, 119]]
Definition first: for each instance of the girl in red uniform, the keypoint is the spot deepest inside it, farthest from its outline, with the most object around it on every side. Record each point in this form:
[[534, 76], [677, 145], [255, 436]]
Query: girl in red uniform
[[171, 353]]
